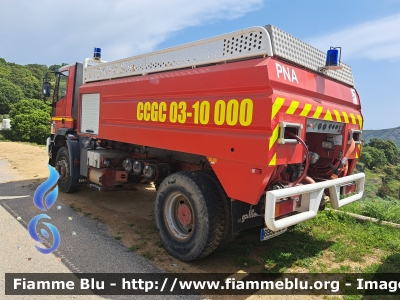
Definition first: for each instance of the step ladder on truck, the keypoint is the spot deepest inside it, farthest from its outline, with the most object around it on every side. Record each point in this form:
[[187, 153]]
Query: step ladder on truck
[[253, 128]]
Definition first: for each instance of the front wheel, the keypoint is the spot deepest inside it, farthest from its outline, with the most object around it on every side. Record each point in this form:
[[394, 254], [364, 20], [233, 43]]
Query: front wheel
[[186, 213], [65, 182]]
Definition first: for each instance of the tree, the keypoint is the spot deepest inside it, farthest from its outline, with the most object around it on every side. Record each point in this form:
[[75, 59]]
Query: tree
[[4, 69], [54, 68], [21, 82], [392, 152], [38, 71], [366, 158], [30, 121], [9, 94], [373, 157], [22, 76]]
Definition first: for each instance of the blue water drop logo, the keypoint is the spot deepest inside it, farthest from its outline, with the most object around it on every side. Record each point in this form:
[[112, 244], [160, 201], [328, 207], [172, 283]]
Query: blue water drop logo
[[33, 233], [44, 202], [44, 188]]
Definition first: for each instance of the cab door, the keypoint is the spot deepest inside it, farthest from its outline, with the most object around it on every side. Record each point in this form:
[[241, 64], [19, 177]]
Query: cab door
[[62, 100]]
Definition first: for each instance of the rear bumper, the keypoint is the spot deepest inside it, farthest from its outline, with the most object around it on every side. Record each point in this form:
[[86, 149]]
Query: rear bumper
[[311, 199]]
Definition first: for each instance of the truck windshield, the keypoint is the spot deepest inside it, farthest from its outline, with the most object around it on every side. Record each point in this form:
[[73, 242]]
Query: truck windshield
[[62, 85]]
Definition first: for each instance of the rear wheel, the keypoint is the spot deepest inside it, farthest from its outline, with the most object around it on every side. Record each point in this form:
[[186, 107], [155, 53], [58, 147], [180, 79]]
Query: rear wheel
[[62, 166], [187, 215], [224, 208]]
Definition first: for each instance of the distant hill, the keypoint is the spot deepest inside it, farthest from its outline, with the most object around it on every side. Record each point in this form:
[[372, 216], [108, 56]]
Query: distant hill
[[383, 134]]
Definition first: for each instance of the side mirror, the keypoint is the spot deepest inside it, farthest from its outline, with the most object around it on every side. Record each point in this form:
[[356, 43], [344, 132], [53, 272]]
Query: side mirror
[[46, 88]]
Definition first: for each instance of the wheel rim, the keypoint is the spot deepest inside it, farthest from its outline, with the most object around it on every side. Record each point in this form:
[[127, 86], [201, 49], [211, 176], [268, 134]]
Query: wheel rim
[[179, 216], [62, 169]]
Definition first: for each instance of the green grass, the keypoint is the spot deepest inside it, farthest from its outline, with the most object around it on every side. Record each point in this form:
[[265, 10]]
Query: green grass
[[130, 225], [373, 180], [134, 248], [332, 242], [138, 246], [352, 238], [383, 209], [387, 177], [147, 255], [99, 219], [350, 243]]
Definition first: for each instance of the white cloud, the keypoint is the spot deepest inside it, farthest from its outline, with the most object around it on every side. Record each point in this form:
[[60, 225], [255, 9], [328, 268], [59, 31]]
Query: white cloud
[[66, 30], [376, 40]]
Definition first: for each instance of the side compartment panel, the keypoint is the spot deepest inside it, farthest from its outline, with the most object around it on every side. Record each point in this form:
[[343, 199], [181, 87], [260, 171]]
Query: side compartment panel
[[90, 113]]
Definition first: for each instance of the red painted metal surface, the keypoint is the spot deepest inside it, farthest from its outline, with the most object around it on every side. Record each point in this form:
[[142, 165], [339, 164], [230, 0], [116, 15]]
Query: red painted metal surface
[[240, 143], [184, 214], [63, 110]]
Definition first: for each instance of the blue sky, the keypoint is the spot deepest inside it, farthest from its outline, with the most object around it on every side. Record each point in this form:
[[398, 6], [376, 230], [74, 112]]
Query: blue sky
[[67, 30]]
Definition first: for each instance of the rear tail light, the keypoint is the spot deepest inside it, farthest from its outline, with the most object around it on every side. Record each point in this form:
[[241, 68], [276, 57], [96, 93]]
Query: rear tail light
[[287, 205], [283, 207]]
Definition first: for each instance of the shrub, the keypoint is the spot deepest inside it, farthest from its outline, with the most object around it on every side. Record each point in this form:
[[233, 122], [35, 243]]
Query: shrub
[[9, 94], [397, 170], [388, 170], [373, 157], [30, 121], [384, 191], [365, 158], [389, 148], [5, 135]]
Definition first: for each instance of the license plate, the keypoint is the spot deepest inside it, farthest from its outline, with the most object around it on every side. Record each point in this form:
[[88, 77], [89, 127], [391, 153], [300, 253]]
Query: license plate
[[267, 234]]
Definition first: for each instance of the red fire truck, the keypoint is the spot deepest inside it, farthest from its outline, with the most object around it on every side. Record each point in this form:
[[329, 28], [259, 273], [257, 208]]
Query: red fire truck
[[251, 128]]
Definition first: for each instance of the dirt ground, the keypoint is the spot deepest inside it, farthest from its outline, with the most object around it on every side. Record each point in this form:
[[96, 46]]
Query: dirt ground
[[130, 219], [128, 214]]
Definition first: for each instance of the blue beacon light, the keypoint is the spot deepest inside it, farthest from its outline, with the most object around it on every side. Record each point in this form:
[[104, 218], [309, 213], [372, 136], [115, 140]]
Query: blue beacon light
[[333, 58], [97, 53]]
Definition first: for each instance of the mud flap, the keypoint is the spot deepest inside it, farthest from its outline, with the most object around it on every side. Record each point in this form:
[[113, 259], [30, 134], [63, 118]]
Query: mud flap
[[245, 215], [74, 154]]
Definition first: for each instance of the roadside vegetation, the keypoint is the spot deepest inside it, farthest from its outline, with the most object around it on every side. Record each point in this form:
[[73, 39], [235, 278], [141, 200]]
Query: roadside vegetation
[[21, 101], [380, 162], [330, 243]]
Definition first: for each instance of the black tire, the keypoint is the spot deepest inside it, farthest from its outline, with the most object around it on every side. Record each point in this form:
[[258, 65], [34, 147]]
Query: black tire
[[157, 184], [322, 205], [65, 183], [187, 216], [224, 209]]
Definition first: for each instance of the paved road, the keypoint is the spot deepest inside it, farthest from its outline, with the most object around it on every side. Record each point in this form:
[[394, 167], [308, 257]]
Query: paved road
[[85, 246]]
